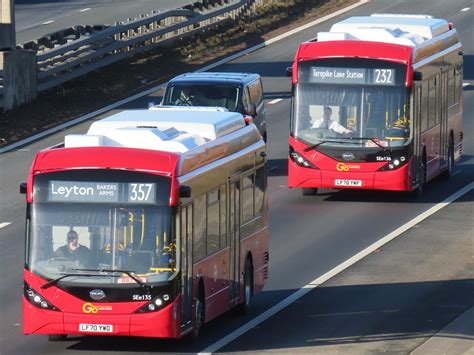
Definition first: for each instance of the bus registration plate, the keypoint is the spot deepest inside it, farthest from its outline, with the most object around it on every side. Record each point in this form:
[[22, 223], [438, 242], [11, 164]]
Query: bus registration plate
[[345, 182], [96, 328]]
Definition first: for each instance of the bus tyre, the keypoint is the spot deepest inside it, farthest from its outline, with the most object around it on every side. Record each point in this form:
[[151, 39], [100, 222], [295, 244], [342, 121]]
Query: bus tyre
[[309, 191], [419, 190], [57, 337], [199, 316], [244, 307], [449, 171]]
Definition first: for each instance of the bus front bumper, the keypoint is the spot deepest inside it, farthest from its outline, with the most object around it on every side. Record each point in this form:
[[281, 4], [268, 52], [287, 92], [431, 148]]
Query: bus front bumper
[[160, 324]]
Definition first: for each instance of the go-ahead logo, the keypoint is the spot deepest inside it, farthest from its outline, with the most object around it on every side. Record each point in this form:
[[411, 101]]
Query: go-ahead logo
[[346, 167], [91, 308]]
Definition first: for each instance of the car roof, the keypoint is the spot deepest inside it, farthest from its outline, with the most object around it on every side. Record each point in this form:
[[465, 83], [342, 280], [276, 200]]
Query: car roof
[[215, 78]]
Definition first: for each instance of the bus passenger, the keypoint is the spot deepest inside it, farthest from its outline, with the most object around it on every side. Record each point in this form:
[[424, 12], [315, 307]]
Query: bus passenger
[[73, 250], [327, 123]]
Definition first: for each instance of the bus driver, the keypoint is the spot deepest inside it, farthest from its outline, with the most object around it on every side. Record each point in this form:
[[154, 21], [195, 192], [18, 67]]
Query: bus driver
[[73, 250], [327, 123]]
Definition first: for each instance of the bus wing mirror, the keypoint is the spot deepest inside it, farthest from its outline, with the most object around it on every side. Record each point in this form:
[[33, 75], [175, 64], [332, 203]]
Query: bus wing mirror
[[23, 188], [185, 191], [289, 72], [418, 76]]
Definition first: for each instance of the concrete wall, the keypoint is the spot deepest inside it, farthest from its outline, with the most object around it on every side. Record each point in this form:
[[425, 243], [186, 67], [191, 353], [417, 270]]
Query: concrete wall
[[19, 77]]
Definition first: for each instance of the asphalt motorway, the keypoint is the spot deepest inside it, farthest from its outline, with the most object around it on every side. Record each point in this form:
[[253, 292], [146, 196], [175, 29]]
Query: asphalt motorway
[[36, 18], [308, 235]]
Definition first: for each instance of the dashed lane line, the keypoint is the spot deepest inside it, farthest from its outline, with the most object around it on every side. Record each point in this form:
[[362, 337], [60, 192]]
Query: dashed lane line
[[48, 22], [84, 10], [4, 224], [331, 273], [274, 101], [465, 9]]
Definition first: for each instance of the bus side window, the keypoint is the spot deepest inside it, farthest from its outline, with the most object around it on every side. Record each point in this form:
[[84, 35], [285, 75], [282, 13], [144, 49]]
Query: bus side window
[[213, 244], [199, 238], [424, 106], [223, 216]]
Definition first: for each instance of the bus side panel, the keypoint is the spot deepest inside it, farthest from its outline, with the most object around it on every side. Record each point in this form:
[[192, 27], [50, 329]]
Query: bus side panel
[[430, 140], [257, 245], [40, 321], [214, 270]]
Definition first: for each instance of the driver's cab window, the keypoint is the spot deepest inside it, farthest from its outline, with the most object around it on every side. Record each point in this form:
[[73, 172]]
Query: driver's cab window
[[59, 236]]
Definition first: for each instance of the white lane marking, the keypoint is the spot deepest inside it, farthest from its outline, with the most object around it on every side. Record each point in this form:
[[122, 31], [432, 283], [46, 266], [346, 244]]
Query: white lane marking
[[465, 84], [465, 9], [47, 22], [331, 273], [274, 101], [156, 88], [457, 172], [84, 10], [4, 224]]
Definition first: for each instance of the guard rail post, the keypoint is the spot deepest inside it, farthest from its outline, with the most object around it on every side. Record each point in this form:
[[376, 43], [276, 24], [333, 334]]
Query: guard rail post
[[17, 66]]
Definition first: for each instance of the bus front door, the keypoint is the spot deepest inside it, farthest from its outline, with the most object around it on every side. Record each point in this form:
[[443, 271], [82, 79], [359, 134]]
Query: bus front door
[[444, 138], [234, 242], [186, 228]]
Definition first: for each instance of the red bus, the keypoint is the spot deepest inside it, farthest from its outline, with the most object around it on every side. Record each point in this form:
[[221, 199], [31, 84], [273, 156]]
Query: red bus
[[150, 225], [377, 104]]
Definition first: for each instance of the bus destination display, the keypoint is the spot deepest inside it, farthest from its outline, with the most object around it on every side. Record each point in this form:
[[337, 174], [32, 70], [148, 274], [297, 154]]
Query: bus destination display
[[364, 76], [101, 192]]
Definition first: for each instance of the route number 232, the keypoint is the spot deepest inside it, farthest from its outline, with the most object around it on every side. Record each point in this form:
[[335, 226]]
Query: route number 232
[[384, 76]]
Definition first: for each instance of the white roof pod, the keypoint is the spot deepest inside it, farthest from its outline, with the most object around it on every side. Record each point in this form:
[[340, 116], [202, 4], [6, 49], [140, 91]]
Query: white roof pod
[[409, 30], [170, 130]]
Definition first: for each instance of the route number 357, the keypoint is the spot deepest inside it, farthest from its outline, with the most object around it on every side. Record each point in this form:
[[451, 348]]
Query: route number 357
[[139, 192]]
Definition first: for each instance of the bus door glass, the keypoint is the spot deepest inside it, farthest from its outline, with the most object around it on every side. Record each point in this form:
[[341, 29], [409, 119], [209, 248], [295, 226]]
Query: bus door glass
[[186, 228], [234, 243], [443, 116], [417, 125]]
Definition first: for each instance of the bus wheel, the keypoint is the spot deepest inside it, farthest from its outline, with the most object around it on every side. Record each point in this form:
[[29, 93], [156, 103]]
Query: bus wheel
[[57, 337], [419, 190], [309, 191], [199, 309], [248, 288], [449, 172]]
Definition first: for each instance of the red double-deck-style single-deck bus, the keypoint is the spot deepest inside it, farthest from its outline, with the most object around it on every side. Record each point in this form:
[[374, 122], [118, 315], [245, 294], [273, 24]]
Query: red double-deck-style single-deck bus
[[377, 104], [150, 225]]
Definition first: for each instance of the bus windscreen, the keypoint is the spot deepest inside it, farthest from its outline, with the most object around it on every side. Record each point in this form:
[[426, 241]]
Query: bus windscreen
[[366, 100]]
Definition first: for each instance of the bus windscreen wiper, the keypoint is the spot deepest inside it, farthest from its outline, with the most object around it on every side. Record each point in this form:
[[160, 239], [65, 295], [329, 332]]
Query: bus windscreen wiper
[[129, 273], [322, 142], [63, 276]]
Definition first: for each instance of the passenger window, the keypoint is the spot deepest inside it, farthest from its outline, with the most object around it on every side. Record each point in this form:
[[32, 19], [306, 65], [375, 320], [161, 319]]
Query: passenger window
[[247, 198], [199, 242], [424, 106], [212, 222], [223, 215]]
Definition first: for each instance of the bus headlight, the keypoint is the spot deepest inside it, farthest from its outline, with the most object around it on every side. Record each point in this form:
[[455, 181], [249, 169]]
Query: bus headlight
[[394, 164], [36, 300], [300, 160], [154, 305]]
